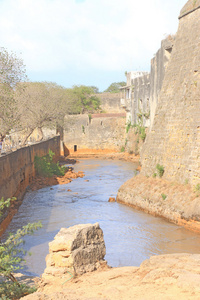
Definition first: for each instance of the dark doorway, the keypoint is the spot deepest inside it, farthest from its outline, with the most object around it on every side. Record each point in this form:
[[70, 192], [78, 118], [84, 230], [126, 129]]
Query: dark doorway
[[75, 148]]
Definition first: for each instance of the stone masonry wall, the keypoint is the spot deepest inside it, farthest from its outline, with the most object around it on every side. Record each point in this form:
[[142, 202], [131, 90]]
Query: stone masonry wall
[[158, 68], [174, 140], [98, 133], [110, 102], [17, 168], [140, 108]]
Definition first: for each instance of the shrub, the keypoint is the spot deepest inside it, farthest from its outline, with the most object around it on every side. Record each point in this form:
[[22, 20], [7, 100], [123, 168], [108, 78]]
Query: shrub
[[83, 129], [11, 260], [45, 166], [5, 204], [122, 149], [160, 170]]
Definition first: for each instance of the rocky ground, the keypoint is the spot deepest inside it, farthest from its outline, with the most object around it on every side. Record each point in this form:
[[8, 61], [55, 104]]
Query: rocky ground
[[165, 277], [40, 182]]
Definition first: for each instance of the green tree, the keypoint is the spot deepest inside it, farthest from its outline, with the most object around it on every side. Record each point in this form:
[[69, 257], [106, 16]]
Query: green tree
[[115, 87], [84, 100]]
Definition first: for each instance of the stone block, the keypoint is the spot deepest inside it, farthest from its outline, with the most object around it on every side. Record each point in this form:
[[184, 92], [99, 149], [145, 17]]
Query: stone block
[[79, 248]]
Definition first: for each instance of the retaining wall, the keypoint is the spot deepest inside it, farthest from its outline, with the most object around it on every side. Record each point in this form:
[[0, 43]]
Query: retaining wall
[[17, 168]]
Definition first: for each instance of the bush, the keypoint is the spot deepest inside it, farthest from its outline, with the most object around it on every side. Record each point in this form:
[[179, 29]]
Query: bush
[[11, 260], [45, 166]]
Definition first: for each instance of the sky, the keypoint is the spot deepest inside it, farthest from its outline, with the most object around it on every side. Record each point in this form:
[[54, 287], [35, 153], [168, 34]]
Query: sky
[[89, 42]]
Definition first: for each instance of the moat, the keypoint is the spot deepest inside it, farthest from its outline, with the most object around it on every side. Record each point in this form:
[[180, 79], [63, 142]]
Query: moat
[[131, 236]]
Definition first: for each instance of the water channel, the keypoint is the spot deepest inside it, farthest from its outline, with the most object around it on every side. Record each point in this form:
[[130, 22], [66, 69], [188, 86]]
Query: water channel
[[131, 236]]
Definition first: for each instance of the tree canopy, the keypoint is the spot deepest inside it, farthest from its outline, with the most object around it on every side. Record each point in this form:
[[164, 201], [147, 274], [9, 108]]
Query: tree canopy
[[115, 87], [84, 99]]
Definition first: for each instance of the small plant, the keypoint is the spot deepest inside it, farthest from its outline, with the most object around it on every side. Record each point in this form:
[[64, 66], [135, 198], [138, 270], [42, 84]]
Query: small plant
[[164, 196], [139, 129], [197, 189], [160, 170], [5, 204], [128, 126], [186, 181], [154, 175], [83, 129], [122, 149], [90, 118]]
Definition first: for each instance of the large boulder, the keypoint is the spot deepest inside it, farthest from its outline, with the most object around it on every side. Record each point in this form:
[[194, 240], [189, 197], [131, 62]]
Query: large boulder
[[77, 249]]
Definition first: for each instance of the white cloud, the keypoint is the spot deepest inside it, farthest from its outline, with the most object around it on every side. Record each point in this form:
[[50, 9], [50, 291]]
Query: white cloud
[[103, 35]]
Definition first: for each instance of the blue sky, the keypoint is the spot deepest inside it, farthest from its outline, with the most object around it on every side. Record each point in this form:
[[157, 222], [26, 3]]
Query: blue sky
[[91, 42]]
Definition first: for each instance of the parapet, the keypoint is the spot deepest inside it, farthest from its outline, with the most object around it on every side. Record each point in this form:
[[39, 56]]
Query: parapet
[[189, 7]]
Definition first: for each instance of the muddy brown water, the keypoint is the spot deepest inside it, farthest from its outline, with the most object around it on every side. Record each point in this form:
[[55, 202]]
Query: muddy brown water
[[131, 236]]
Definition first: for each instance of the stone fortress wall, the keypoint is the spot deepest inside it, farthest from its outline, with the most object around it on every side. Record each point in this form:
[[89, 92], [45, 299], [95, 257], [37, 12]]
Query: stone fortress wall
[[140, 96], [98, 132], [110, 102], [174, 140]]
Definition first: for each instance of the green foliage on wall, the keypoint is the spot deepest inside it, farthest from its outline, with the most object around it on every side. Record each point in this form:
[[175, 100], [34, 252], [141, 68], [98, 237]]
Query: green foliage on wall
[[160, 170], [45, 166]]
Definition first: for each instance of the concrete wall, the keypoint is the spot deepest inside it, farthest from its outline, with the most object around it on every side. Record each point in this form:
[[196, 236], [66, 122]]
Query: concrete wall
[[17, 168], [174, 140], [99, 133]]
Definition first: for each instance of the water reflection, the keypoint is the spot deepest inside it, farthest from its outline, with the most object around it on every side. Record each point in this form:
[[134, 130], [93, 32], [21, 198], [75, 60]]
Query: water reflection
[[131, 236]]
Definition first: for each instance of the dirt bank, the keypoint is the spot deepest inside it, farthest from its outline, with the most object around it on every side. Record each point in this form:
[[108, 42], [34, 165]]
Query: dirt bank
[[173, 276], [175, 202], [125, 156]]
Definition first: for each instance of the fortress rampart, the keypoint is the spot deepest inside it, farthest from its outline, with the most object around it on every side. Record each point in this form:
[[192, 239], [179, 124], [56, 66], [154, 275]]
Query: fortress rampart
[[174, 140]]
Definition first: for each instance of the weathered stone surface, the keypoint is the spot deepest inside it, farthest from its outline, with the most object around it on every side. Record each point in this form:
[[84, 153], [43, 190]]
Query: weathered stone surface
[[190, 6], [78, 248], [174, 140], [99, 133], [172, 276]]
